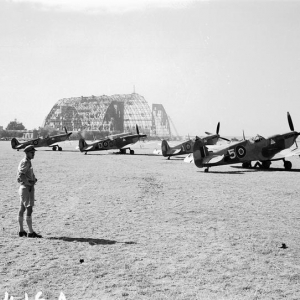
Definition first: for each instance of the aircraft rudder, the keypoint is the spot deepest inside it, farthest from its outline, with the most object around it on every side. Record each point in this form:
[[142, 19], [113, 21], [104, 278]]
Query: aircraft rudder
[[165, 148], [14, 143], [82, 144], [199, 152]]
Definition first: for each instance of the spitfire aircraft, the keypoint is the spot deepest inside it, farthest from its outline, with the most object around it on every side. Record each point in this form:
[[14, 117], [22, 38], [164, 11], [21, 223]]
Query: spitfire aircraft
[[260, 149], [49, 141], [187, 146], [117, 141]]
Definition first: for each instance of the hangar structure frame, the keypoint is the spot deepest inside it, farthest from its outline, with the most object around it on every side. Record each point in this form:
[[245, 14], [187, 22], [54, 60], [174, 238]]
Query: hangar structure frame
[[112, 114]]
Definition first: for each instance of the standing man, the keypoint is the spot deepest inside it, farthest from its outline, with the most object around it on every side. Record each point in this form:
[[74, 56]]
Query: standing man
[[27, 180]]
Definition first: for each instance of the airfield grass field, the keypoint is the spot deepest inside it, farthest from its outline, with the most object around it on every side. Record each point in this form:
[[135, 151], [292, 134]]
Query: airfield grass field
[[143, 227]]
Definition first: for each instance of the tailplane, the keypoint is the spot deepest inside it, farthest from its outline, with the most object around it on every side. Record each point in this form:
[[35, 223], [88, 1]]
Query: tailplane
[[14, 143], [165, 148], [199, 153]]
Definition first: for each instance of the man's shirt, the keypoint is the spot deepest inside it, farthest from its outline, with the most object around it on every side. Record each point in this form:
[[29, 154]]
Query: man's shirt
[[25, 167]]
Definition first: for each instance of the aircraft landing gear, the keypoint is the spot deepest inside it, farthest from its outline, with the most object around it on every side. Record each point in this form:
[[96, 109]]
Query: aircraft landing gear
[[169, 158], [54, 148], [131, 152], [265, 164], [122, 151], [287, 165], [206, 170], [247, 165]]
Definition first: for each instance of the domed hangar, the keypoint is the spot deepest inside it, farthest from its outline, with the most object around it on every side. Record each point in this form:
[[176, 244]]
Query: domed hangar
[[117, 113]]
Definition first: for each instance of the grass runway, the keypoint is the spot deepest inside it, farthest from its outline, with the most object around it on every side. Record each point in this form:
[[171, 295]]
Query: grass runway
[[143, 227]]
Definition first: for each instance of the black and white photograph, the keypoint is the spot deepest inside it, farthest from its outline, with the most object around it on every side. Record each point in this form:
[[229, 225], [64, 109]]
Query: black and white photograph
[[149, 149]]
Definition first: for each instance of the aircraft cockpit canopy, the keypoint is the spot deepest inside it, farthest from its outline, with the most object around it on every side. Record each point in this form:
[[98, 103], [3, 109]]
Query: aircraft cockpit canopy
[[257, 138]]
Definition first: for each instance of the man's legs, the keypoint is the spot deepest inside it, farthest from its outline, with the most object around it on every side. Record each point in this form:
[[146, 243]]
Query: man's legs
[[21, 218], [31, 233], [29, 218]]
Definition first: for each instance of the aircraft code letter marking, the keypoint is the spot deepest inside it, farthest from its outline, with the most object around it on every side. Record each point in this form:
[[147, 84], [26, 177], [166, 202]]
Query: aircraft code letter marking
[[231, 153]]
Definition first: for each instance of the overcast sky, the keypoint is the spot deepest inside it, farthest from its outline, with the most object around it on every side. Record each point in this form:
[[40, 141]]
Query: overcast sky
[[237, 62]]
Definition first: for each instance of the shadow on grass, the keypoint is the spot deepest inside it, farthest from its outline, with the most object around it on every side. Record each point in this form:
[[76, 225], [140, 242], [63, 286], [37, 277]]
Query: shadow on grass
[[91, 241], [266, 170], [135, 154], [59, 151], [226, 172]]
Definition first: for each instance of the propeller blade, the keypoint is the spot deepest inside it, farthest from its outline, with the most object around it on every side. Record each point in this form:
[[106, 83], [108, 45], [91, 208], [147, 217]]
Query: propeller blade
[[218, 128], [224, 139], [244, 135], [290, 121], [208, 133], [137, 129]]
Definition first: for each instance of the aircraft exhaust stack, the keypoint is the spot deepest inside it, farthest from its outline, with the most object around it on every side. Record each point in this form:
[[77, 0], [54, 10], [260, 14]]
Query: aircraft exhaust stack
[[165, 148], [14, 143]]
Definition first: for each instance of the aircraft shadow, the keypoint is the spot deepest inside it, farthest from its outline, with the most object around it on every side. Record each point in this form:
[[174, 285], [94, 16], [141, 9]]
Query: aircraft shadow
[[93, 154], [266, 170], [91, 241], [60, 151], [225, 172]]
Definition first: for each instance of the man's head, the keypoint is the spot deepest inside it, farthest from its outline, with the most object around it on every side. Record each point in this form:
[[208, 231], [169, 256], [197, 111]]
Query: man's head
[[29, 151]]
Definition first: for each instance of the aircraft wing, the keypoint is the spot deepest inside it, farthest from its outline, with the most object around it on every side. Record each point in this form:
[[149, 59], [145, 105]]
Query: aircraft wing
[[286, 153], [189, 159]]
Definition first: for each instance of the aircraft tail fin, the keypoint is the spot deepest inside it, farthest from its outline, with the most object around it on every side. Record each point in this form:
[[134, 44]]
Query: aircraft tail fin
[[165, 148], [14, 143], [82, 144], [199, 152]]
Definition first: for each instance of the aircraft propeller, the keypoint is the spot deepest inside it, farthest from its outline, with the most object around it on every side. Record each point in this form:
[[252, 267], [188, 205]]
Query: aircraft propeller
[[217, 132], [138, 133], [290, 121], [292, 126], [68, 137]]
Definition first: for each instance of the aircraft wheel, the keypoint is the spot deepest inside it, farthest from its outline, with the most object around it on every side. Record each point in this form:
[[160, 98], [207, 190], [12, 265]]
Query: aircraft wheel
[[266, 164], [287, 165], [247, 165], [206, 170], [123, 151], [131, 152], [59, 148]]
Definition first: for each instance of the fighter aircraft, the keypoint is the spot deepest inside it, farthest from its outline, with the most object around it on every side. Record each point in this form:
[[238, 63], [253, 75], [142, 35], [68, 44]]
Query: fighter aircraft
[[187, 146], [117, 141], [49, 141], [260, 149]]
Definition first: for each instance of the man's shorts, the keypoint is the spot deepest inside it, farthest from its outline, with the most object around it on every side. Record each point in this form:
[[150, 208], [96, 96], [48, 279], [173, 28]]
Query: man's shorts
[[26, 195]]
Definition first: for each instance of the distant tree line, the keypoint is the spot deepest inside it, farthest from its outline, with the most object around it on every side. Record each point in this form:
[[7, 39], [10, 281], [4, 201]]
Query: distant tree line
[[16, 129]]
